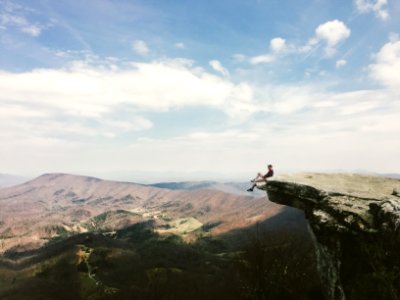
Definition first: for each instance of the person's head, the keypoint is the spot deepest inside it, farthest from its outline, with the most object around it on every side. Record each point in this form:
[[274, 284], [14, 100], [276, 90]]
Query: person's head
[[269, 166]]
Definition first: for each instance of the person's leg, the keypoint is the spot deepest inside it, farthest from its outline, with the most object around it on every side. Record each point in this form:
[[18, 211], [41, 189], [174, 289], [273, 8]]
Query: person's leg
[[252, 188], [262, 179], [259, 176], [254, 184]]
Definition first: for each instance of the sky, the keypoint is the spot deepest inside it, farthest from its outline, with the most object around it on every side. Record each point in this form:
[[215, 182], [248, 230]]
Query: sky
[[161, 89]]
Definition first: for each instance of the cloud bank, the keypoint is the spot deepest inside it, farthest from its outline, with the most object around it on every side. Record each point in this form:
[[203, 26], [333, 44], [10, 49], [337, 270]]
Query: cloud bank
[[59, 116]]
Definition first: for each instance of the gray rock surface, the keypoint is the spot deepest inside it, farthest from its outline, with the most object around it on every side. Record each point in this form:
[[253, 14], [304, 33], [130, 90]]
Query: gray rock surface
[[349, 214]]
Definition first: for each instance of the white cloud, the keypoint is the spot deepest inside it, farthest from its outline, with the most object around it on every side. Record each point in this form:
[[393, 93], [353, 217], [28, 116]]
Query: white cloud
[[140, 47], [329, 34], [180, 46], [311, 45], [216, 65], [33, 30], [239, 57], [93, 92], [267, 58], [379, 7], [20, 22], [332, 33], [287, 99], [333, 135], [278, 45], [47, 117], [340, 63], [386, 68], [330, 131], [34, 120]]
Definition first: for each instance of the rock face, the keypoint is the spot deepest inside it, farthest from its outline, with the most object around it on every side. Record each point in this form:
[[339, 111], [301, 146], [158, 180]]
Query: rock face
[[354, 221]]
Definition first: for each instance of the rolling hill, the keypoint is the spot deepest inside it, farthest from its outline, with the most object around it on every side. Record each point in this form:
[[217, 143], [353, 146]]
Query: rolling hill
[[60, 205], [75, 237]]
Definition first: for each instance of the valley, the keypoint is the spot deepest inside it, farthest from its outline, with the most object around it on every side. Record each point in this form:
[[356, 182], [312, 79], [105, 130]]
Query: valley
[[55, 206], [75, 237]]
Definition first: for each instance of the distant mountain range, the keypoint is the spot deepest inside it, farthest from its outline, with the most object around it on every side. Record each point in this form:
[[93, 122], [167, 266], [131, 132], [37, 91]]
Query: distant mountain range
[[61, 205], [9, 180], [392, 175], [236, 188]]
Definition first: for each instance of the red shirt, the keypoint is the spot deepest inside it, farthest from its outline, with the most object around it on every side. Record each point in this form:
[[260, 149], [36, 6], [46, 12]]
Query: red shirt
[[269, 174]]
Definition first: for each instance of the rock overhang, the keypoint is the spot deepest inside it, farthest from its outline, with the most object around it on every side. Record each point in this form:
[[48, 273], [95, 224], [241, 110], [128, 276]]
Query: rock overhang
[[341, 202], [354, 221]]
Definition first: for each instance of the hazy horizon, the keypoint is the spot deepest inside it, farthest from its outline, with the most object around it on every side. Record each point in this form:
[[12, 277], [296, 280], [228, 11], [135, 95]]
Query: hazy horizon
[[105, 87], [167, 177]]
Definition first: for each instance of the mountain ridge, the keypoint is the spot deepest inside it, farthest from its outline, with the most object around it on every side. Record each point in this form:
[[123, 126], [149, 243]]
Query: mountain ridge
[[54, 205], [87, 238]]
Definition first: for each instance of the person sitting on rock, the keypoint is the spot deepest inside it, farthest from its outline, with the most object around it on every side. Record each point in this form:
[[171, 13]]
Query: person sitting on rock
[[261, 178]]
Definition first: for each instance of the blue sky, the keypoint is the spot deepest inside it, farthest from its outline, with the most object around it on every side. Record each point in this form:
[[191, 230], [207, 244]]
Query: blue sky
[[199, 89]]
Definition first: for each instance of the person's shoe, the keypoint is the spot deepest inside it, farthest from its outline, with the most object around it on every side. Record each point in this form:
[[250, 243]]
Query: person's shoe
[[250, 190], [253, 180]]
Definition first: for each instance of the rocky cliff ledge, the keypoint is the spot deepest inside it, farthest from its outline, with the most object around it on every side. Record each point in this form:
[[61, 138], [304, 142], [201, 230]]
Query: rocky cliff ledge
[[354, 221]]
